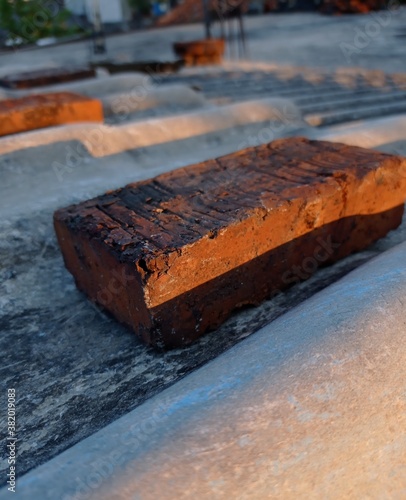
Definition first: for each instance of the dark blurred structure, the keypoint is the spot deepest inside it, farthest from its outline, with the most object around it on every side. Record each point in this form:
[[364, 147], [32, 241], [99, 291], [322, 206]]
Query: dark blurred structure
[[325, 6], [291, 5], [191, 11], [351, 6]]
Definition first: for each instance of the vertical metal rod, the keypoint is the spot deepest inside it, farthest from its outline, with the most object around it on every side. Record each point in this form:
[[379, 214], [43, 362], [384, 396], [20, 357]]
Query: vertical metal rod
[[222, 32], [207, 18], [231, 37], [99, 46], [242, 34]]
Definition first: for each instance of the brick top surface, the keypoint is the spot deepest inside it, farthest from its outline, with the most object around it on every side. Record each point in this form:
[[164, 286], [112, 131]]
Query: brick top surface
[[28, 79], [40, 100], [168, 212]]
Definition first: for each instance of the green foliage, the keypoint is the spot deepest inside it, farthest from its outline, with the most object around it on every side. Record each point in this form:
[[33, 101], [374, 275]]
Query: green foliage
[[141, 6], [31, 20]]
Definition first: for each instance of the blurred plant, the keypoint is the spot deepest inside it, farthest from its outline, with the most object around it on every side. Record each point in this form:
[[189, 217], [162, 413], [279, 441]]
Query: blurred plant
[[141, 7], [31, 20]]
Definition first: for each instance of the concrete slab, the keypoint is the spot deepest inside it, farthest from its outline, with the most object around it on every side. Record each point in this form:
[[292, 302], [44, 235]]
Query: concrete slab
[[312, 405]]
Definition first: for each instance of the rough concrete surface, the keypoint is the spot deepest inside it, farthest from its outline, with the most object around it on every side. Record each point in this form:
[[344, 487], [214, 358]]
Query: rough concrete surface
[[311, 406], [76, 369]]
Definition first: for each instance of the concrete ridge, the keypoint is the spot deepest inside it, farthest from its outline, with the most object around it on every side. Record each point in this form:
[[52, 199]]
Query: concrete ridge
[[102, 140]]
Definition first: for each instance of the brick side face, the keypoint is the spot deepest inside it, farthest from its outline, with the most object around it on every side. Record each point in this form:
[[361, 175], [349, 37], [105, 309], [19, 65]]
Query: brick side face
[[173, 256], [40, 111], [51, 76]]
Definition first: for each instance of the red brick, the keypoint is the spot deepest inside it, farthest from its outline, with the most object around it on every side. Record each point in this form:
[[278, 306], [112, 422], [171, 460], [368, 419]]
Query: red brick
[[37, 78], [351, 6], [200, 52], [173, 256], [40, 111]]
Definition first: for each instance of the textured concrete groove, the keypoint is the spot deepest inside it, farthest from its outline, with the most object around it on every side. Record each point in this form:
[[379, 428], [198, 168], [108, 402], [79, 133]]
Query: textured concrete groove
[[350, 101], [268, 86], [215, 77], [226, 81], [366, 95], [286, 91], [309, 96], [222, 80], [92, 87], [345, 94], [358, 113]]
